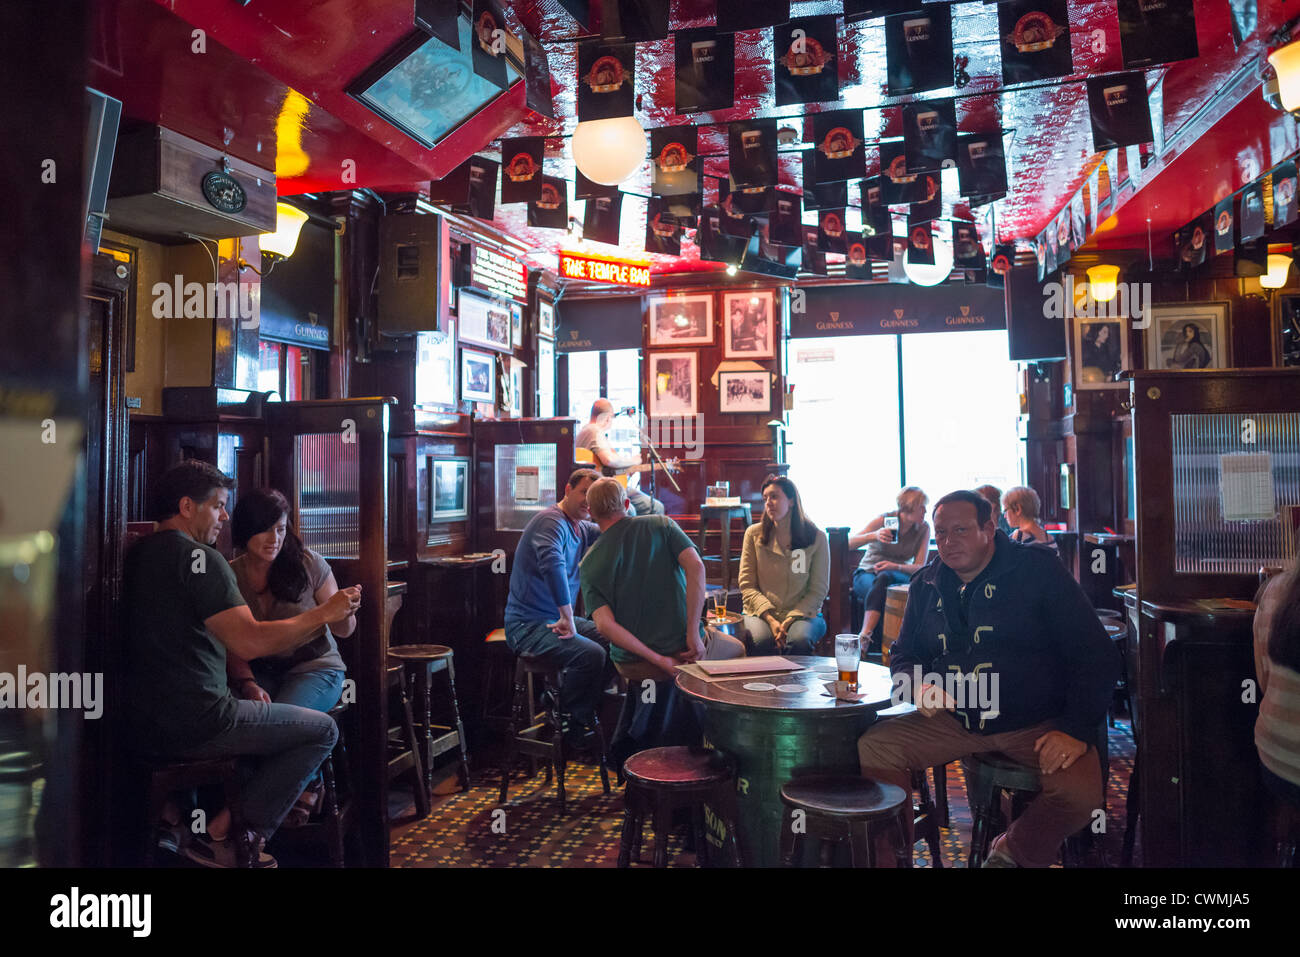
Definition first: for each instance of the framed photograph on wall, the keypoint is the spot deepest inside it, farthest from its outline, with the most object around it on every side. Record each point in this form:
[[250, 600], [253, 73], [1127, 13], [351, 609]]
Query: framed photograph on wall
[[1188, 336], [449, 495], [516, 324], [745, 390], [435, 366], [478, 381], [545, 378], [749, 324], [681, 320], [546, 319], [673, 383], [1100, 353], [516, 388], [483, 321]]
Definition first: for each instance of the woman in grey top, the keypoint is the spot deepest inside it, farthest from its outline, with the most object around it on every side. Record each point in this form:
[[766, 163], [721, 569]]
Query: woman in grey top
[[897, 545], [279, 578]]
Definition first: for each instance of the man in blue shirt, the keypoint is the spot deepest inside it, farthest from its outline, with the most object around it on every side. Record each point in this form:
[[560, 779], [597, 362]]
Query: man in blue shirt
[[543, 588]]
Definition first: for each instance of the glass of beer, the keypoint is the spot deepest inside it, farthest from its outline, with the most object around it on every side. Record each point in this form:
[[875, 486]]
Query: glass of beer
[[848, 653], [720, 604]]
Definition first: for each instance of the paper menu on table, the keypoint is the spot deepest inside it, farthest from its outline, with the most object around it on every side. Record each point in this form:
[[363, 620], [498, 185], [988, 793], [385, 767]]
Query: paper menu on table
[[749, 666], [1246, 486]]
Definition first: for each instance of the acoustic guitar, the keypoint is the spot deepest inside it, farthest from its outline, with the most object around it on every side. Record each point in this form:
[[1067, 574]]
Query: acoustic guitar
[[588, 457]]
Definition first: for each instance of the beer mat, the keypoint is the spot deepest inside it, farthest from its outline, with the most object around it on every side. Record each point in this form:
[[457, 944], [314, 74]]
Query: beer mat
[[749, 666], [759, 686], [833, 690]]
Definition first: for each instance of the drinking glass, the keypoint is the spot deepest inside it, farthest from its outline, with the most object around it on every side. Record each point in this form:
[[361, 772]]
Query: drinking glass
[[720, 604], [848, 653]]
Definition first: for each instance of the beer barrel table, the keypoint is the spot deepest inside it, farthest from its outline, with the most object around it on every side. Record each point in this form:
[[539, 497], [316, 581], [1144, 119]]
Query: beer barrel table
[[790, 727], [892, 623]]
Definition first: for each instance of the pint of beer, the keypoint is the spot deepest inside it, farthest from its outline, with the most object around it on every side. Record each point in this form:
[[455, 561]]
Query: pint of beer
[[848, 654]]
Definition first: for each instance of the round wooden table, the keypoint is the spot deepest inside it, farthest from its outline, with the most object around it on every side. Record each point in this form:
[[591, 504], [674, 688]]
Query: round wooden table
[[793, 727]]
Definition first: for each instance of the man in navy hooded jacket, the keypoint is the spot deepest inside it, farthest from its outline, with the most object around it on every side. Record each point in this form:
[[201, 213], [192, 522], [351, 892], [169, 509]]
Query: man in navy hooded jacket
[[1000, 650]]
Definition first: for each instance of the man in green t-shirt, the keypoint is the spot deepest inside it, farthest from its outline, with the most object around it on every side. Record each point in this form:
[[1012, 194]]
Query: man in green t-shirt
[[185, 611]]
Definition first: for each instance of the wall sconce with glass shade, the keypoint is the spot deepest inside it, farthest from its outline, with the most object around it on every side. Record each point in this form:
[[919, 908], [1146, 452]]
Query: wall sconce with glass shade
[[609, 151], [1103, 282], [1285, 61], [279, 245], [1279, 267]]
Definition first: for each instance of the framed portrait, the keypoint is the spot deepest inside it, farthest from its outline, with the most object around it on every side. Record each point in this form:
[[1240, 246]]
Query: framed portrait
[[681, 320], [546, 319], [435, 366], [749, 324], [1100, 353], [745, 390], [1188, 336], [516, 388], [673, 383], [449, 494], [483, 321], [478, 381], [545, 378], [516, 324]]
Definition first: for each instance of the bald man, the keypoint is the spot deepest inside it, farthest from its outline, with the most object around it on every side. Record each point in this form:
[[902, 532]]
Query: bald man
[[592, 437]]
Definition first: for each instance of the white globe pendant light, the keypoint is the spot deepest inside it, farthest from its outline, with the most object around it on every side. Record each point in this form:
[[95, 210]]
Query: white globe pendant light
[[609, 151]]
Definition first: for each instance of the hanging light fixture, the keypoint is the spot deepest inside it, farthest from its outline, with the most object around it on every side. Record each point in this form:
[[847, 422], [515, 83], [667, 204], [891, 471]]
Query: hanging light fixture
[[1286, 61], [924, 274], [1103, 282], [609, 151], [1279, 267]]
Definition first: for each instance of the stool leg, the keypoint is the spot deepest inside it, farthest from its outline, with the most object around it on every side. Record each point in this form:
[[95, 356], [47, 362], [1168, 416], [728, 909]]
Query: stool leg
[[790, 843], [629, 842], [157, 799], [424, 688], [1131, 810], [559, 758], [902, 852], [417, 771], [862, 853], [979, 838], [697, 828], [604, 752], [516, 715], [663, 824], [463, 770], [330, 813], [940, 772]]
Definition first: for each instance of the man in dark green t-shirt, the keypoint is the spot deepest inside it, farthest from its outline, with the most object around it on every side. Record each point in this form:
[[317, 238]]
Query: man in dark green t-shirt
[[184, 612]]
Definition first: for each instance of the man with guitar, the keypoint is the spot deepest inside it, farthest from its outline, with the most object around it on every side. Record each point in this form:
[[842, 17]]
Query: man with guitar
[[593, 439]]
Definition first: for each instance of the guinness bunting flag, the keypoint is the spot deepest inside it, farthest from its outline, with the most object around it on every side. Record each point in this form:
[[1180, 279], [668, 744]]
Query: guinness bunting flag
[[1223, 231], [601, 220], [967, 251], [705, 79], [1192, 241], [830, 230], [806, 66], [840, 151], [920, 244], [641, 20], [857, 261], [605, 80], [1035, 40], [551, 211], [1063, 237], [675, 161], [981, 164], [482, 187], [930, 134], [733, 15], [1284, 194], [1245, 18], [1121, 115], [899, 184], [537, 77], [755, 201], [814, 260], [438, 18], [875, 214], [1156, 31], [1000, 263], [786, 222], [453, 189], [881, 247], [875, 9], [924, 212], [587, 188], [1251, 259], [578, 9], [734, 221], [1252, 225], [521, 164], [1041, 254], [488, 42], [751, 149], [1078, 222], [825, 195], [918, 50], [663, 234]]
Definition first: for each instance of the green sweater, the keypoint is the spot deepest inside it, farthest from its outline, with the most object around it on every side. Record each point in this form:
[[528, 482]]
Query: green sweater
[[785, 581]]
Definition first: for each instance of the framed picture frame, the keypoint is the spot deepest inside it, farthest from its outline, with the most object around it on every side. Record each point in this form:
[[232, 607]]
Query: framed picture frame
[[1100, 353], [681, 320], [516, 324], [546, 319], [478, 376], [516, 388], [545, 378], [744, 391], [483, 321], [449, 489], [1189, 335], [435, 367], [674, 389], [749, 324]]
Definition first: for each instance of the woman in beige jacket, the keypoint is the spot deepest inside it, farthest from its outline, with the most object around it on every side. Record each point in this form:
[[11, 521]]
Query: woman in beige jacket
[[784, 574]]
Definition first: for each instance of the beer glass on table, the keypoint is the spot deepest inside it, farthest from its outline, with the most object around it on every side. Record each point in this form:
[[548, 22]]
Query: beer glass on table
[[719, 605], [848, 653]]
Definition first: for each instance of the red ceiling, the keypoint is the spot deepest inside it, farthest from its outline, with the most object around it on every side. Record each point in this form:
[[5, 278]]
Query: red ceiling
[[255, 55]]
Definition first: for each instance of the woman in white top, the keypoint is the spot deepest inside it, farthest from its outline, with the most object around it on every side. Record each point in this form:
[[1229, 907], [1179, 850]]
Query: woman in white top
[[1020, 505]]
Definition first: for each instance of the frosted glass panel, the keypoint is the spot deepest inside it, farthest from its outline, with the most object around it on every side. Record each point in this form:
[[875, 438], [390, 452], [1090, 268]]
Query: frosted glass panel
[[511, 513], [1234, 477], [327, 497]]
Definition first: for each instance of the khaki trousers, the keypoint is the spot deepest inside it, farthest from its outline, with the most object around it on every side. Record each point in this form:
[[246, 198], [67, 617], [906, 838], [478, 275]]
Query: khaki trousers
[[717, 647]]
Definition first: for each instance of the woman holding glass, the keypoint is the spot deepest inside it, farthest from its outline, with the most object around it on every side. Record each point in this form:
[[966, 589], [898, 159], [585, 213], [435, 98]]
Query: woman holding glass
[[784, 574], [897, 544]]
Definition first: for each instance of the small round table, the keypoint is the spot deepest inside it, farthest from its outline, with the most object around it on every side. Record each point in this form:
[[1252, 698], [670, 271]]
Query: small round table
[[794, 729]]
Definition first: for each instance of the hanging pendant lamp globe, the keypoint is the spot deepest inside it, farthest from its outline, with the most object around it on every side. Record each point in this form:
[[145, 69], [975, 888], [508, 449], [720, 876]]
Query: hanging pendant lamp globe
[[609, 151]]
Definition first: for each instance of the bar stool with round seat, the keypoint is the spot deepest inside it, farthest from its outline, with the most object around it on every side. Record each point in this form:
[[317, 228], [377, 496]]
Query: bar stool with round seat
[[662, 781], [495, 691], [422, 662], [166, 777], [844, 808]]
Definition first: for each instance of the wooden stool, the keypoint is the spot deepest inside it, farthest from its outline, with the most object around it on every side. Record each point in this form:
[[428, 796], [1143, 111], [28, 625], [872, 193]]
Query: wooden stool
[[422, 663], [540, 733], [987, 776], [843, 808], [335, 816], [925, 816], [723, 515], [168, 777], [495, 706], [403, 746], [661, 781], [1118, 632]]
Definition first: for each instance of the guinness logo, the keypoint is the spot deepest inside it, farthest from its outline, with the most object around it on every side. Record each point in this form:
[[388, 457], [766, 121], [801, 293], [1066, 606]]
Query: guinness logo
[[898, 313], [573, 333], [965, 310], [835, 317]]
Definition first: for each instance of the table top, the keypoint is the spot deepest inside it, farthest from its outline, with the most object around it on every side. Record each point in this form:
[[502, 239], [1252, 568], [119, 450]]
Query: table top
[[730, 618], [806, 694]]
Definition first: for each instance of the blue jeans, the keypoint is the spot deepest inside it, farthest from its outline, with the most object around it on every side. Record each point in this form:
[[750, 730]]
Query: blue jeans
[[291, 741], [862, 582], [581, 660], [318, 690], [801, 639]]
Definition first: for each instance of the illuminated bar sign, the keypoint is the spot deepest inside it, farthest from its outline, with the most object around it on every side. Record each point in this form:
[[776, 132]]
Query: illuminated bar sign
[[618, 272], [499, 274]]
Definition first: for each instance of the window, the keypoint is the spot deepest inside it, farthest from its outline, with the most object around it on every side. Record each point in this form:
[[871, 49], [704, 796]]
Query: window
[[285, 370]]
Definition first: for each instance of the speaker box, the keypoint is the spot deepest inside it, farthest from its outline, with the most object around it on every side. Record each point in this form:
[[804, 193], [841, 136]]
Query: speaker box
[[1030, 334], [462, 263], [414, 274]]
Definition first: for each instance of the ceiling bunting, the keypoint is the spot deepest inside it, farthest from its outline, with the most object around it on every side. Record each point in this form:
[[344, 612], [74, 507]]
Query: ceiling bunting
[[685, 207], [551, 210], [537, 77], [734, 220], [875, 212], [675, 160], [899, 184], [715, 245], [605, 84], [751, 149], [488, 48], [875, 9], [705, 75], [1078, 222], [1156, 31], [521, 162], [1245, 18], [918, 51], [453, 189], [977, 277], [579, 10], [826, 196], [770, 259], [756, 201], [587, 189], [976, 200], [1251, 224], [1053, 250], [930, 134], [830, 230], [1284, 194], [814, 260], [981, 164], [1223, 231], [1035, 40], [920, 244], [926, 211], [1000, 263], [806, 61], [1121, 115], [967, 250], [881, 246], [638, 21], [1040, 254], [785, 223], [1191, 242], [663, 233], [733, 15], [439, 18], [841, 153], [1063, 237], [1251, 259], [482, 188], [857, 261], [602, 217]]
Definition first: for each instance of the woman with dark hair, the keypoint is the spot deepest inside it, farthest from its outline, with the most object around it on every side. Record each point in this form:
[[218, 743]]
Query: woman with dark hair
[[279, 578], [1191, 353], [784, 574], [1277, 666]]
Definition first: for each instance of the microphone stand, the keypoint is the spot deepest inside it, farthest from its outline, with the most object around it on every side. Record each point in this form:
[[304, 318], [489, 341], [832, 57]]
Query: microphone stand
[[654, 454]]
